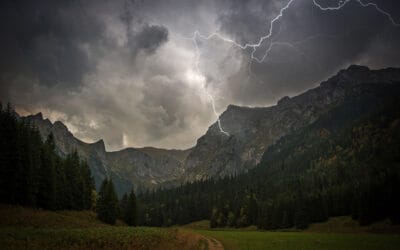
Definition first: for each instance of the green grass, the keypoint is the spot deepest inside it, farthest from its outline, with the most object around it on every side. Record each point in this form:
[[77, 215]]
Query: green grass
[[112, 237], [302, 240], [27, 228]]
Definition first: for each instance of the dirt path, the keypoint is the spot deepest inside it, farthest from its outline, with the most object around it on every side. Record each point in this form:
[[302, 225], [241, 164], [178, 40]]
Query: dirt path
[[213, 244], [191, 240]]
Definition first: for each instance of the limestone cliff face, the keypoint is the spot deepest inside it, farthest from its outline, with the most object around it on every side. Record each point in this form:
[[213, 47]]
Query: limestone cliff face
[[151, 168], [138, 168], [252, 130]]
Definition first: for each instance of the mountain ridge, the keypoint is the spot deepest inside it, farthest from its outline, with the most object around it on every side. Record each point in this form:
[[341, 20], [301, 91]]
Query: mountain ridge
[[252, 130], [138, 172]]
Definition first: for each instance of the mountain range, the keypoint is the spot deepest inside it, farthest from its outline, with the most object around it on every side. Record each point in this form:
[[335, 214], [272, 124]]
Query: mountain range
[[252, 131]]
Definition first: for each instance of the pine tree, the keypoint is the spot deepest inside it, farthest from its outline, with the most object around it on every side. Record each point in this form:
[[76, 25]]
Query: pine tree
[[61, 185], [123, 205], [47, 186], [73, 187], [107, 204], [87, 185], [9, 161], [131, 210]]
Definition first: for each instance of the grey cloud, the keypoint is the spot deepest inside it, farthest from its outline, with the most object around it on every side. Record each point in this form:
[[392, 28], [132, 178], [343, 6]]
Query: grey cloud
[[148, 39], [125, 70]]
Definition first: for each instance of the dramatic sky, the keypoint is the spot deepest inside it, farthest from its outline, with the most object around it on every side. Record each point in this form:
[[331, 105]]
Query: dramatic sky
[[136, 73]]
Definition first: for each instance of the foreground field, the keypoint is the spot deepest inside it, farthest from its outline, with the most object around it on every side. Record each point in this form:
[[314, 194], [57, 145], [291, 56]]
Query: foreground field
[[302, 240], [24, 228], [336, 233], [88, 238]]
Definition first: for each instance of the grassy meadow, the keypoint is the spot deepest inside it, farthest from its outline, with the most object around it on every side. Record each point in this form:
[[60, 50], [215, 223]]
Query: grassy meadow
[[24, 228], [253, 240], [111, 237], [337, 233]]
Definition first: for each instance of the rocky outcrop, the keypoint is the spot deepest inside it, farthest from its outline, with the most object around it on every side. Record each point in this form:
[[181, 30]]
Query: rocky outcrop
[[252, 130], [139, 168]]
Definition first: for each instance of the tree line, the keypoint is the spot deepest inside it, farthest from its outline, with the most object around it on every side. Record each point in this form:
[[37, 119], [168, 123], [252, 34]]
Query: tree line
[[33, 174], [346, 163], [109, 208]]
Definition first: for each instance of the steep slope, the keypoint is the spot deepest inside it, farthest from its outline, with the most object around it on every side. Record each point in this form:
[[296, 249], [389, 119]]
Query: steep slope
[[252, 130], [138, 168], [149, 166], [347, 162], [93, 153]]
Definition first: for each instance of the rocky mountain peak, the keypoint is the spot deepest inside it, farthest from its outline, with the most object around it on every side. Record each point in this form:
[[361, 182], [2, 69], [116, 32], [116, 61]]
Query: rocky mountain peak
[[356, 74], [38, 116], [283, 100], [99, 146], [61, 126]]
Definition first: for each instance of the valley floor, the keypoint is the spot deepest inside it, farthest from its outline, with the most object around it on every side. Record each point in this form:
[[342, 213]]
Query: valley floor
[[23, 228], [337, 233], [254, 240]]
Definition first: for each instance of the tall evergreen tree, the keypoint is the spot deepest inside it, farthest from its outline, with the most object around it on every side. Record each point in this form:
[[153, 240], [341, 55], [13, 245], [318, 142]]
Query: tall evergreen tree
[[9, 156], [47, 187], [74, 199], [123, 205], [131, 210], [87, 185], [107, 204]]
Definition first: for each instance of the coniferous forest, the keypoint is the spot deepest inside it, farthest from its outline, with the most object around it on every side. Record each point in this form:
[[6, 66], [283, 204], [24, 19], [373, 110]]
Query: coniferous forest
[[345, 163], [34, 175]]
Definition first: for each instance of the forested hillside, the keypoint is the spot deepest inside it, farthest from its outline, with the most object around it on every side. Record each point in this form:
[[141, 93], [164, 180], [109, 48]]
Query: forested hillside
[[33, 174], [345, 163]]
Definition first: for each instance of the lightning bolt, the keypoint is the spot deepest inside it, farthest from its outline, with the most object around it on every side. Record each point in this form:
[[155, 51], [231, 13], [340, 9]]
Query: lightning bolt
[[342, 3], [197, 61], [254, 46]]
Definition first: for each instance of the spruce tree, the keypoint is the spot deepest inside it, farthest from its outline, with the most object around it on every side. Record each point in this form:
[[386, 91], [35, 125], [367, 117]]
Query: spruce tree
[[123, 205], [73, 187], [107, 204], [47, 186], [131, 210], [87, 185]]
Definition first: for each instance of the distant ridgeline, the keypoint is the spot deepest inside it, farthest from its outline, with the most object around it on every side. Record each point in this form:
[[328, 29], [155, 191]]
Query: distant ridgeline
[[347, 162], [33, 174]]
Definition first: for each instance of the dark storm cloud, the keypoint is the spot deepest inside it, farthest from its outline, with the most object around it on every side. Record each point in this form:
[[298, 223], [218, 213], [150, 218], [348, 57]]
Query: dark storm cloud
[[126, 70], [44, 38], [246, 20], [324, 42], [148, 38]]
